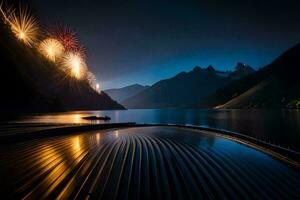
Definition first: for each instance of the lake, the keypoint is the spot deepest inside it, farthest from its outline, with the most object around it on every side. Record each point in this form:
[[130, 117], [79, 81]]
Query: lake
[[280, 127]]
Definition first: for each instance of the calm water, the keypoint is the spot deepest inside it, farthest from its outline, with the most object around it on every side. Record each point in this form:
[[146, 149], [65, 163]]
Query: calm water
[[280, 127]]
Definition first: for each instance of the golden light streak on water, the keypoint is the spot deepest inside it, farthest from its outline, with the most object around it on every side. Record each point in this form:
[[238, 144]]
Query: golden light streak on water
[[51, 162], [76, 144], [98, 137], [116, 134], [146, 160]]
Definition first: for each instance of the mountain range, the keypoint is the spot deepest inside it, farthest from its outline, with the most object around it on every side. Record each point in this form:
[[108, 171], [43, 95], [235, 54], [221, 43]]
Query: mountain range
[[185, 88], [276, 85]]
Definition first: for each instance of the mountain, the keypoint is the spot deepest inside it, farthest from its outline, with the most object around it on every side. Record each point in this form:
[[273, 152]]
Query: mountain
[[30, 83], [181, 90], [241, 70], [277, 85], [120, 94]]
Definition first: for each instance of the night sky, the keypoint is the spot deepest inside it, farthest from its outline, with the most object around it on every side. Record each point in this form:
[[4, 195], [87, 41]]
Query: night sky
[[145, 41]]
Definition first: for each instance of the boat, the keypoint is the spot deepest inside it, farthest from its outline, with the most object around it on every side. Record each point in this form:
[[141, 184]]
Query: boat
[[105, 118]]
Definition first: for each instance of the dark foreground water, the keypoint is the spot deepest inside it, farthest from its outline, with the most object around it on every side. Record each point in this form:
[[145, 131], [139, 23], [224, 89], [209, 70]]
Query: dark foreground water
[[143, 163], [280, 127]]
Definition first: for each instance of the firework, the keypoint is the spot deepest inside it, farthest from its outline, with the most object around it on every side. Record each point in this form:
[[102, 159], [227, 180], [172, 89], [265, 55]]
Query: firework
[[6, 12], [68, 39], [91, 79], [93, 82], [74, 65], [24, 26], [51, 48], [66, 36], [98, 88]]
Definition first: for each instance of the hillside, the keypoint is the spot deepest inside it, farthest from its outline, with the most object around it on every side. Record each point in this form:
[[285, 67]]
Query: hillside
[[120, 94], [180, 90], [275, 86], [30, 83]]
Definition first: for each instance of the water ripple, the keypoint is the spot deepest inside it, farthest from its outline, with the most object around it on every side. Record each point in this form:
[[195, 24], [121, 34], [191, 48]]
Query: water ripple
[[143, 163]]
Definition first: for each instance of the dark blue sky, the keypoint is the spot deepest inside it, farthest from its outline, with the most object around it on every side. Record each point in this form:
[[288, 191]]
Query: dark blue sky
[[145, 41]]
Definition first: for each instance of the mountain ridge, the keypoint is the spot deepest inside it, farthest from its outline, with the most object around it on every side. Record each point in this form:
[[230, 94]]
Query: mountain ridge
[[30, 83], [120, 94], [191, 86], [166, 93], [273, 86]]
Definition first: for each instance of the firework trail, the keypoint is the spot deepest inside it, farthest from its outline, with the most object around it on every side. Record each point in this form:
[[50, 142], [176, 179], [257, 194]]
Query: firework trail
[[93, 82]]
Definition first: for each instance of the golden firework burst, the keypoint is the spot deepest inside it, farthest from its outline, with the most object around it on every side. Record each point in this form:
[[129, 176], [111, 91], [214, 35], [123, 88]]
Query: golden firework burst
[[74, 65], [24, 26], [51, 49]]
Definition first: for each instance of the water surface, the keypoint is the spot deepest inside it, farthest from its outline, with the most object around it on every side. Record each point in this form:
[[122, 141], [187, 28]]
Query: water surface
[[280, 127], [143, 163]]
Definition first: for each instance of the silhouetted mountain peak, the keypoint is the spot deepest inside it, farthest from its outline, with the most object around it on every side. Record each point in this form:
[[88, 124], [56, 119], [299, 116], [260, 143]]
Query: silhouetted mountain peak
[[197, 69], [210, 68], [273, 86], [241, 70], [242, 67], [178, 91]]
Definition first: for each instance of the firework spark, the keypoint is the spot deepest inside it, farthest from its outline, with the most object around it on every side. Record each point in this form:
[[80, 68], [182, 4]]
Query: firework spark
[[6, 11], [98, 88], [93, 82], [91, 79], [66, 36], [74, 65], [51, 48], [24, 26]]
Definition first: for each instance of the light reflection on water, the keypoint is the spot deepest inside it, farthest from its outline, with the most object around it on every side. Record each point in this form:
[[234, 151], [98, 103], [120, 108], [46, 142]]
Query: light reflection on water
[[98, 137], [59, 167], [116, 133], [280, 127], [76, 144]]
